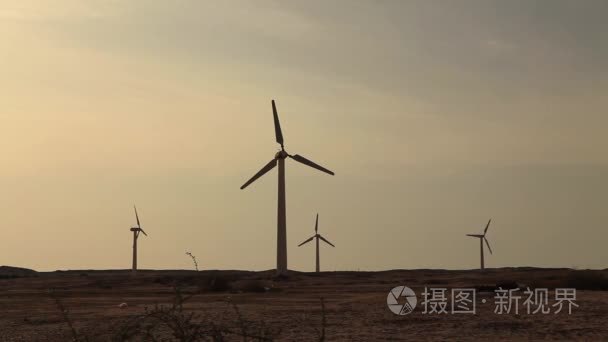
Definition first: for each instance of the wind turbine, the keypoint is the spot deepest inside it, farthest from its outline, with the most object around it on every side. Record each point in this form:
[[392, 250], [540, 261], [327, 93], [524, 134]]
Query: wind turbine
[[481, 238], [279, 158], [317, 236], [136, 230]]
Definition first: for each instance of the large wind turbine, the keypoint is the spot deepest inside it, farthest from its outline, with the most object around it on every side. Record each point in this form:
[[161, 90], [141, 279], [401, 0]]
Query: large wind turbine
[[136, 230], [279, 158], [317, 236], [481, 238]]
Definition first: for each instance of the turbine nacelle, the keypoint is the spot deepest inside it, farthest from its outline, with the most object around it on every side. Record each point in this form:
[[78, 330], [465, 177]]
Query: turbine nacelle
[[138, 227], [281, 155]]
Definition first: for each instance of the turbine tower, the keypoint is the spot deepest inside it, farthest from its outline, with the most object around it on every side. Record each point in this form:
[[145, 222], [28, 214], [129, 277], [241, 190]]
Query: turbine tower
[[279, 159], [481, 238], [136, 230], [317, 236]]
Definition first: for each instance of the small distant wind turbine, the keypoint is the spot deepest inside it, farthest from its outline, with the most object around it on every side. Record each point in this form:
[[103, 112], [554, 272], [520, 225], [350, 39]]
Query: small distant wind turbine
[[481, 238], [317, 236], [136, 230], [279, 158]]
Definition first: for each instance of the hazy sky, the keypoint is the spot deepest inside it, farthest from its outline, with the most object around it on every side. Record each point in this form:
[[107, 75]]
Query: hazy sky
[[435, 116]]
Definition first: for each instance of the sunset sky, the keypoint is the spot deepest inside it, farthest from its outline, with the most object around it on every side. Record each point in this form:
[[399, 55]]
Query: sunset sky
[[435, 116]]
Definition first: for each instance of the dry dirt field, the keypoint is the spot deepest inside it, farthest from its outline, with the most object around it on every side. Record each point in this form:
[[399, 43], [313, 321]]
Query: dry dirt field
[[230, 303]]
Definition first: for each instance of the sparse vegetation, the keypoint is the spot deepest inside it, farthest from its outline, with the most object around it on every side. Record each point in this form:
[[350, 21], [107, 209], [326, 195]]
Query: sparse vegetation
[[174, 323], [65, 315], [193, 260], [181, 306]]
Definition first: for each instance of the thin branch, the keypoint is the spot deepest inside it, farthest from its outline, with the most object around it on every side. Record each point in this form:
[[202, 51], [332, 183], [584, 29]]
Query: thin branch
[[193, 260]]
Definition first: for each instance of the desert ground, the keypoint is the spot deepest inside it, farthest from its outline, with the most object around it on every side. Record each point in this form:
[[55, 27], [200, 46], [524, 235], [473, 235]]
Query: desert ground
[[225, 305]]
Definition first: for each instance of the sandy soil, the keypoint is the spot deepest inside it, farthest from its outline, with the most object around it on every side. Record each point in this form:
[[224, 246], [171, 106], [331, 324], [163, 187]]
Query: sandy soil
[[355, 304]]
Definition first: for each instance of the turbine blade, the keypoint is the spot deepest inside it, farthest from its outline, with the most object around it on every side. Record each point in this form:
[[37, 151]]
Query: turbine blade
[[305, 161], [487, 226], [475, 235], [306, 241], [136, 216], [260, 173], [277, 125], [141, 230], [487, 243], [322, 238], [317, 224]]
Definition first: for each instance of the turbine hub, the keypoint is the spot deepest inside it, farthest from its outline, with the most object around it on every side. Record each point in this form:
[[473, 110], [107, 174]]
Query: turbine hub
[[281, 155]]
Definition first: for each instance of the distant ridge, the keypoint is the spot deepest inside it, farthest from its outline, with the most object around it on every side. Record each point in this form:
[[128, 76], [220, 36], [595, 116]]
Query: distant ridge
[[16, 272]]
